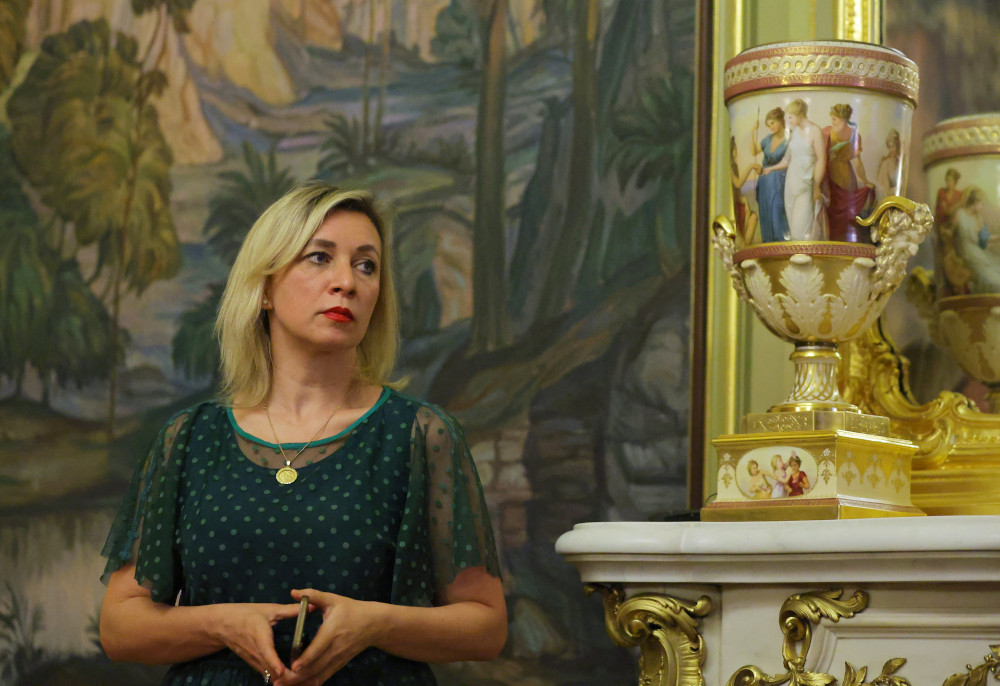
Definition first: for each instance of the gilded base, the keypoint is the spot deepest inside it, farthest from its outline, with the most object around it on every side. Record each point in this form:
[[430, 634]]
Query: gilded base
[[847, 474], [956, 469]]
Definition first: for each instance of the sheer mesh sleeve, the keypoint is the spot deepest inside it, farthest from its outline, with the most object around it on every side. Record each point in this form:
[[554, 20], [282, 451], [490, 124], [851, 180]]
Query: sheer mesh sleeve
[[143, 530], [446, 525]]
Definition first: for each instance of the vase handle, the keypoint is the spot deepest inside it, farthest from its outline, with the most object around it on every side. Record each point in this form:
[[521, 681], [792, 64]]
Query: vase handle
[[724, 242], [898, 226]]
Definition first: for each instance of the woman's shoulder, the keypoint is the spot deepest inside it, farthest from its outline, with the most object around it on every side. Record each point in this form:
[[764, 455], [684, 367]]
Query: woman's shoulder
[[425, 413], [210, 409], [419, 405]]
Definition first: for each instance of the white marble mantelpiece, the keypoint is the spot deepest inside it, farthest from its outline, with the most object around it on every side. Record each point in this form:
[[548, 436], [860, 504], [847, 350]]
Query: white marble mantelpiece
[[933, 582]]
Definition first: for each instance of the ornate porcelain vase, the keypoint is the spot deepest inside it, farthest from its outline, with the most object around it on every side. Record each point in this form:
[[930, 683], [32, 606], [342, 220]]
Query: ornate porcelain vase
[[961, 301], [820, 237], [819, 240]]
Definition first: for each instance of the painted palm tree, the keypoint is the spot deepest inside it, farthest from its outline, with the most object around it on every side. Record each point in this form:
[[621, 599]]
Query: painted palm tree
[[243, 196], [653, 145], [25, 289], [78, 345], [24, 279], [342, 150], [89, 140]]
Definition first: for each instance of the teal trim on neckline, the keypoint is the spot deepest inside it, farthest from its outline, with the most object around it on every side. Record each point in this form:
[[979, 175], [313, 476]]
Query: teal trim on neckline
[[322, 441]]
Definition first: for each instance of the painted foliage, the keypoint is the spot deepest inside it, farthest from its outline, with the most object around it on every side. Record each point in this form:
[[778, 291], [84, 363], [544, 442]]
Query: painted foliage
[[537, 156]]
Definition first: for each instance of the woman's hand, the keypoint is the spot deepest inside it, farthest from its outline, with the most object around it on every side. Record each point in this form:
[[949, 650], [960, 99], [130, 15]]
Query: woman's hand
[[246, 629], [348, 628]]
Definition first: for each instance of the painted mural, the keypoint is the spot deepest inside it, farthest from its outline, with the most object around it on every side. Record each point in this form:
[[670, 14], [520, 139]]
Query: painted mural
[[537, 155], [951, 42]]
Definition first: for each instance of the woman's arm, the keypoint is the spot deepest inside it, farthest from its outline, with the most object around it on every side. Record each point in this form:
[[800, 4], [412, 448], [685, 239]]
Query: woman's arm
[[859, 171], [786, 159], [819, 147], [738, 182], [470, 624], [136, 628]]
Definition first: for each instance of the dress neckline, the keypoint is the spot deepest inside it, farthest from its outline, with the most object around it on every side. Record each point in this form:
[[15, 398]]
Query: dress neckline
[[320, 441]]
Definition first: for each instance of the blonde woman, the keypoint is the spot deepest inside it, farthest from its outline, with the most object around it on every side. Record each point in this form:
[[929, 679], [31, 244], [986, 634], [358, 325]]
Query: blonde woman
[[779, 472], [310, 477]]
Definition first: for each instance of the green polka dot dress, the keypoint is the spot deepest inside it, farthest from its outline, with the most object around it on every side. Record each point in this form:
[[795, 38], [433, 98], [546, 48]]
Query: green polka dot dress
[[389, 510]]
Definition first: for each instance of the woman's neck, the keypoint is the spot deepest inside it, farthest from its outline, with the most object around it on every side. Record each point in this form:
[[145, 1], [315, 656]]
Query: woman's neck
[[300, 384]]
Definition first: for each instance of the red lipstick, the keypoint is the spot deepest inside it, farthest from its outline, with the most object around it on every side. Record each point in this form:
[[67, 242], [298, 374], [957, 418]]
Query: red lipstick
[[339, 314]]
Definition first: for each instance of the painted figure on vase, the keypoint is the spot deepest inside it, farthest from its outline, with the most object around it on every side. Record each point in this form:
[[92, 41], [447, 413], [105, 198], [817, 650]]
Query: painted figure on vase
[[779, 472], [798, 482], [977, 223], [760, 487], [946, 205], [771, 186], [746, 216], [805, 162], [851, 193], [887, 178]]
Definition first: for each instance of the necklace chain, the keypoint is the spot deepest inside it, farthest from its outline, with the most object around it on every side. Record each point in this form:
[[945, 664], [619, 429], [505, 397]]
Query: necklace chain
[[281, 449]]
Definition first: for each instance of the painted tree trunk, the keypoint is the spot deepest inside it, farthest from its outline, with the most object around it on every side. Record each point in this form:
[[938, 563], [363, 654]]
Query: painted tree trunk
[[490, 324], [572, 241]]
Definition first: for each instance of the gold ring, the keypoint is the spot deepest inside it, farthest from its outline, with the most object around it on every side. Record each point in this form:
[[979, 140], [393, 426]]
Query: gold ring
[[267, 677]]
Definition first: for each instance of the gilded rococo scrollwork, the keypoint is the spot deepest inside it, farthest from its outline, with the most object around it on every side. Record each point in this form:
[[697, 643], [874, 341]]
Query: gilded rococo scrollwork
[[672, 652], [978, 675], [666, 630], [797, 616]]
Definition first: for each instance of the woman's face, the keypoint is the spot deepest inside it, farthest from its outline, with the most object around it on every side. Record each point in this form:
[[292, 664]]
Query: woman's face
[[794, 466], [773, 125], [838, 122], [792, 118], [950, 182], [325, 298], [754, 469]]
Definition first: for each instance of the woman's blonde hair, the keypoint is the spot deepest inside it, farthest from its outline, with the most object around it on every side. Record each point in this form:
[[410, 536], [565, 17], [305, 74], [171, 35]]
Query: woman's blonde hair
[[798, 107], [274, 241]]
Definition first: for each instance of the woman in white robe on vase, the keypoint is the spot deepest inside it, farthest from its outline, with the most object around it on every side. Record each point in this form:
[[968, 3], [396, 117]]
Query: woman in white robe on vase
[[805, 162]]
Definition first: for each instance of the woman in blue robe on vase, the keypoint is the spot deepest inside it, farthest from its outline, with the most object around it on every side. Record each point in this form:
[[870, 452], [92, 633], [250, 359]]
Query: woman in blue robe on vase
[[771, 187]]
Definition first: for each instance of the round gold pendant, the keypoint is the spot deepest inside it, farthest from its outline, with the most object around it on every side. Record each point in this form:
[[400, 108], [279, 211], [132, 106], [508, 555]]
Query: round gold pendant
[[286, 475]]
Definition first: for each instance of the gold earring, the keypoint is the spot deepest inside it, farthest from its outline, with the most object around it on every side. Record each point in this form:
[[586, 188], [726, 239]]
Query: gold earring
[[266, 302]]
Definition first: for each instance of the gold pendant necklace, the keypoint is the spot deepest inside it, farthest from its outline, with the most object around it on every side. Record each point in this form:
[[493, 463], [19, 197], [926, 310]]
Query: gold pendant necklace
[[288, 474]]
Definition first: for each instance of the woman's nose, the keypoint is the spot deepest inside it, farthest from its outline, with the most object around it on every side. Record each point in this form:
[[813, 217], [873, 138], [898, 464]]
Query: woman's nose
[[342, 277]]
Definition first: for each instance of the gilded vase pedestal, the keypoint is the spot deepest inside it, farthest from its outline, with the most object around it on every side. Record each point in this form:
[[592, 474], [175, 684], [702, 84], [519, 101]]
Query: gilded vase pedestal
[[818, 295]]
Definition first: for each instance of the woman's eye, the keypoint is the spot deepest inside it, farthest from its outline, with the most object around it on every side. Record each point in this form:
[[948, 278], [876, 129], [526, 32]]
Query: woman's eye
[[368, 266], [318, 257]]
